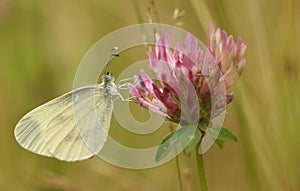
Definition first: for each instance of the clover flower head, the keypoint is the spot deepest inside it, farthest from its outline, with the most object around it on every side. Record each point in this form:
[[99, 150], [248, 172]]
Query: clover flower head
[[186, 69]]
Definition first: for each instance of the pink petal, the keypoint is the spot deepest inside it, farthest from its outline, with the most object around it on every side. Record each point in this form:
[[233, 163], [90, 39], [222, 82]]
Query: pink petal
[[146, 81], [190, 43], [170, 105], [133, 91], [152, 107], [208, 62], [229, 98]]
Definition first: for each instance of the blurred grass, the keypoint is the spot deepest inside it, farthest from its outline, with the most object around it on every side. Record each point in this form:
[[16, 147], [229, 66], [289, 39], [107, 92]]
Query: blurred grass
[[42, 43]]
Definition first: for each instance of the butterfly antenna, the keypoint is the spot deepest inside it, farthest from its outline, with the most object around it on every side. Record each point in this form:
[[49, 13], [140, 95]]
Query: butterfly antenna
[[111, 56]]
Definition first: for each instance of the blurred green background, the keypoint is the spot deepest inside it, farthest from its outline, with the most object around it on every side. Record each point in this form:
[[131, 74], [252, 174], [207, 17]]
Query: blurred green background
[[42, 43]]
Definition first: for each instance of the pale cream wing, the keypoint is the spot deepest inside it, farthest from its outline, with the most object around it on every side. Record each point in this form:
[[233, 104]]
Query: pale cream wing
[[71, 127]]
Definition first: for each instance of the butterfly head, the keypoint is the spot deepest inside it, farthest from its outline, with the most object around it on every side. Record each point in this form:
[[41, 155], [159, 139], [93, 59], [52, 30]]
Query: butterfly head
[[108, 77]]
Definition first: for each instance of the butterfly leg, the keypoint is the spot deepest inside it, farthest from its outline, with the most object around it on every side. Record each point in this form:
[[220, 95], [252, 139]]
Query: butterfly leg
[[123, 84], [129, 99]]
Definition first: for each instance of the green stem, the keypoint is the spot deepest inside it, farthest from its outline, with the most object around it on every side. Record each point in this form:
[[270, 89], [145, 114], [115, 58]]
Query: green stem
[[179, 173], [177, 163], [201, 172]]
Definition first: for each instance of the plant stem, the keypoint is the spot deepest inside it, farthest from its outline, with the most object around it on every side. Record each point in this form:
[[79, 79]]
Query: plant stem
[[179, 176], [201, 172], [179, 173]]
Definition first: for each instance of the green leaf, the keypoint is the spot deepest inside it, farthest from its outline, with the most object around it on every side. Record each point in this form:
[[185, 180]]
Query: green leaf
[[220, 143], [202, 126], [192, 142], [183, 135], [167, 144], [221, 133]]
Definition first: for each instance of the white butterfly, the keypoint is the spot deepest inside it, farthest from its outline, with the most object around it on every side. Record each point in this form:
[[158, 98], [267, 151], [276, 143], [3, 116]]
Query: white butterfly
[[73, 126]]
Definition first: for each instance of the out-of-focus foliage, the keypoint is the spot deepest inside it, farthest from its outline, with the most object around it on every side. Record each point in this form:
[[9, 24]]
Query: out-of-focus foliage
[[42, 43]]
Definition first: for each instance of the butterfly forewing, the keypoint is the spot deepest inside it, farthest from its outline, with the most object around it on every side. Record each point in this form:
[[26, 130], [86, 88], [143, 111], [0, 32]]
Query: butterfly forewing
[[71, 127]]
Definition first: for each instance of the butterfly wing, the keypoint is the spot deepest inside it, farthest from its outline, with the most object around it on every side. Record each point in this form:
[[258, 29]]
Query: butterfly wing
[[71, 127]]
